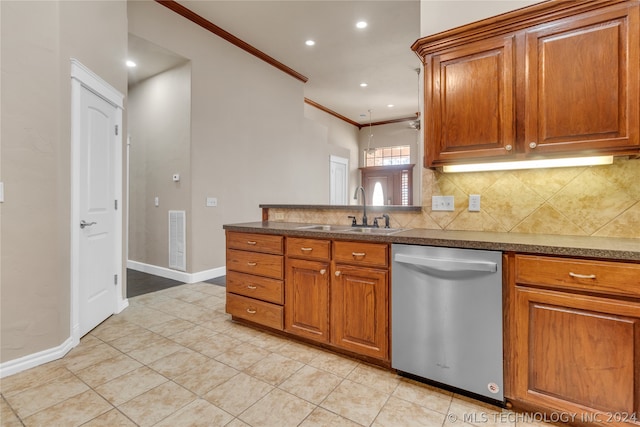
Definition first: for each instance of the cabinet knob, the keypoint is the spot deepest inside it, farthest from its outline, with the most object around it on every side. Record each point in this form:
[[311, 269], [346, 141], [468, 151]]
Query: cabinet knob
[[251, 242], [532, 144], [252, 264], [323, 271], [306, 249], [251, 310], [338, 273], [358, 255], [508, 147], [252, 287]]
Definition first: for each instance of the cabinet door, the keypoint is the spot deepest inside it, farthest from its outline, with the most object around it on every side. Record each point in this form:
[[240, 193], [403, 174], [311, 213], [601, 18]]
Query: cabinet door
[[577, 353], [360, 310], [307, 299], [582, 83], [469, 102]]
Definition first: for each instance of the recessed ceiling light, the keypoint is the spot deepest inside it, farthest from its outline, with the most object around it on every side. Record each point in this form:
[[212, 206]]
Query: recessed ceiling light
[[390, 105], [309, 42], [361, 24], [363, 84], [131, 64]]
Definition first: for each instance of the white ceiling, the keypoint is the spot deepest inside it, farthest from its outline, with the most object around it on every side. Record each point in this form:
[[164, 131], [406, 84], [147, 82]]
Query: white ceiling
[[342, 58]]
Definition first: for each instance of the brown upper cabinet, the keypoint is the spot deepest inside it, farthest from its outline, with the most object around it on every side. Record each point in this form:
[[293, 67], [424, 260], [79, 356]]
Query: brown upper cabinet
[[553, 79]]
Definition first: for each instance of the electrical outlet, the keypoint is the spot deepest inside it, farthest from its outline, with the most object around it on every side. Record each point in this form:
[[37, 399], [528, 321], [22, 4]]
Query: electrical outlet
[[474, 203], [156, 201], [442, 203], [212, 202], [278, 216]]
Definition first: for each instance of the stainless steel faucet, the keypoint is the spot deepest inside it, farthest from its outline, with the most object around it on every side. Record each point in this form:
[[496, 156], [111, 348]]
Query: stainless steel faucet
[[364, 208]]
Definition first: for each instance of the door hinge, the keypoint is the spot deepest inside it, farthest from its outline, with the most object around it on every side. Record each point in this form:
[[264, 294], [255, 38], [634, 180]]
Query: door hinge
[[116, 130], [115, 204], [115, 279]]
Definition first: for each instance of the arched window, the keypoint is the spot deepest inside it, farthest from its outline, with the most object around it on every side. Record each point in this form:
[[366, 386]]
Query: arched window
[[378, 195]]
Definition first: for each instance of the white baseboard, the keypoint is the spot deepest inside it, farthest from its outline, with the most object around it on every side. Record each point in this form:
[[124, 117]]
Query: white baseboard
[[32, 360], [180, 276], [122, 304]]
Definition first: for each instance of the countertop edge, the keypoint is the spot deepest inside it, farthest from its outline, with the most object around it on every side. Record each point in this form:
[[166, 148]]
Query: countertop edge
[[618, 249]]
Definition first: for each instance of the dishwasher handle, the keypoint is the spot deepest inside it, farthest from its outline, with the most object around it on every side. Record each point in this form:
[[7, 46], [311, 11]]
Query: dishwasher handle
[[444, 264]]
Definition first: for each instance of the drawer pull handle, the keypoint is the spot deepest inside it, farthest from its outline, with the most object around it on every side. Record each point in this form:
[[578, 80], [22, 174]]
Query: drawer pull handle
[[251, 310], [252, 287], [358, 254], [306, 249], [582, 276], [338, 273], [252, 264], [251, 242], [323, 271]]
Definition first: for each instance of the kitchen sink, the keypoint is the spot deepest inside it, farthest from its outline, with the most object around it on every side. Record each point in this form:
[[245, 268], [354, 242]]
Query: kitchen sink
[[349, 229], [324, 227], [374, 230]]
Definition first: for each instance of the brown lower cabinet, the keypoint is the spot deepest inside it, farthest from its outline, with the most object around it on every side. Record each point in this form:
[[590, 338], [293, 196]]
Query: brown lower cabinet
[[336, 292], [575, 339], [333, 292], [307, 299], [359, 310]]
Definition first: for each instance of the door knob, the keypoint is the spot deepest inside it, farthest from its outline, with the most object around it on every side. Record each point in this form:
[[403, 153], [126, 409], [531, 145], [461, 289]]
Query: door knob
[[84, 224]]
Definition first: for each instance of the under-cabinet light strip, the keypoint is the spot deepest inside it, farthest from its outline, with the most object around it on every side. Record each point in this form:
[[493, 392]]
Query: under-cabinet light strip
[[530, 164]]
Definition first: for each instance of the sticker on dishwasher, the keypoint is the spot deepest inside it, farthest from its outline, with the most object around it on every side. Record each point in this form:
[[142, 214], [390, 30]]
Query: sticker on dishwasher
[[493, 388]]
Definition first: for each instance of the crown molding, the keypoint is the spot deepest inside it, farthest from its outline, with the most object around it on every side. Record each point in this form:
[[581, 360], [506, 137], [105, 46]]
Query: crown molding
[[356, 124], [210, 26]]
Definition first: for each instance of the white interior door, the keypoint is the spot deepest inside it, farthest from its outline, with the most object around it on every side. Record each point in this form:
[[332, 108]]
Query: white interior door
[[339, 177], [97, 209]]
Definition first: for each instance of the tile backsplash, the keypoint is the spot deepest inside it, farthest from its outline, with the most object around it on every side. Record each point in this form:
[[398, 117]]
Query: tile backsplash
[[584, 201]]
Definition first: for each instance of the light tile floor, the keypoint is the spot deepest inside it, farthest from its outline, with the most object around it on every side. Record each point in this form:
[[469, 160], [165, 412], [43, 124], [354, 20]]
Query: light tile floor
[[175, 358]]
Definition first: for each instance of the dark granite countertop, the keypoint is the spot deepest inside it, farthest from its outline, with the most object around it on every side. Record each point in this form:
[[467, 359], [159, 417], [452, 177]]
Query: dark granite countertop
[[574, 246]]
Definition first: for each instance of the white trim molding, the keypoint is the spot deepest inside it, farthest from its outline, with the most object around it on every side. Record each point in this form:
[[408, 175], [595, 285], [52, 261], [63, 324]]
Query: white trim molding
[[32, 360], [180, 276]]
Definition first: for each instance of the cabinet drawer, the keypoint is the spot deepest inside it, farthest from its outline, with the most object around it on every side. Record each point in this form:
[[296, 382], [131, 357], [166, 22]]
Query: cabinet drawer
[[255, 263], [308, 248], [263, 288], [255, 310], [616, 278], [373, 254], [266, 243]]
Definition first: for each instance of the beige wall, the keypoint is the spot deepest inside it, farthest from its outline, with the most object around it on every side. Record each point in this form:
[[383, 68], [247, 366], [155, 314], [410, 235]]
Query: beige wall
[[436, 15], [38, 39], [159, 116], [250, 140], [340, 138]]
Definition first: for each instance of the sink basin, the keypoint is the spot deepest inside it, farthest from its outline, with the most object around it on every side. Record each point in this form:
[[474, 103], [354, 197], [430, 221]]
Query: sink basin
[[373, 230], [349, 229], [323, 227]]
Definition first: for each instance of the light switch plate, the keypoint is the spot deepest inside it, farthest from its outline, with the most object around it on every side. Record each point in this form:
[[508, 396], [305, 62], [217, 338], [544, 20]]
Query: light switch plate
[[1, 192], [212, 202], [442, 203], [474, 203]]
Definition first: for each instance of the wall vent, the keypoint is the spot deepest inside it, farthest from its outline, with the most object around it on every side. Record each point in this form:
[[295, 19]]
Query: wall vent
[[177, 240]]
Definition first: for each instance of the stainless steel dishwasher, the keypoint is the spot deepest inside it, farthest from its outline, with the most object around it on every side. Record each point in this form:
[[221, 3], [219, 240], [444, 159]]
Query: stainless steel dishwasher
[[447, 317]]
